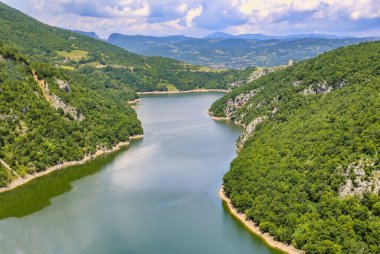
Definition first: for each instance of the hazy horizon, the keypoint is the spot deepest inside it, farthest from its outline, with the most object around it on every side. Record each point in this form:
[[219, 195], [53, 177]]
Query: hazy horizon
[[200, 37]]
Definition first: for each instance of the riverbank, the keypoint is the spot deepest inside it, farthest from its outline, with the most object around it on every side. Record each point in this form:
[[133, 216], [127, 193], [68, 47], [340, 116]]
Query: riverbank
[[256, 230], [22, 180], [185, 91], [134, 101], [219, 118]]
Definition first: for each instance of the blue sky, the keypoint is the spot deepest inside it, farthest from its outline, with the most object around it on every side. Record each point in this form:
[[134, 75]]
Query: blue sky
[[201, 17]]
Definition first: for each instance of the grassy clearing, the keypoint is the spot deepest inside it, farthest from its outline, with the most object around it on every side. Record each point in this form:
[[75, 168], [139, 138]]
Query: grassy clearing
[[95, 64], [208, 69], [74, 55], [172, 87], [65, 67]]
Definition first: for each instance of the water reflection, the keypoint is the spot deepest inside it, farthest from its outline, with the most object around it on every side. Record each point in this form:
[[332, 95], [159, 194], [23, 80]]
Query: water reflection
[[36, 194]]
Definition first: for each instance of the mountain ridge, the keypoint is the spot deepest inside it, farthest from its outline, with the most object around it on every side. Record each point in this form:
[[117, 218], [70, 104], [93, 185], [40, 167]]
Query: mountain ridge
[[258, 36], [89, 34], [231, 52]]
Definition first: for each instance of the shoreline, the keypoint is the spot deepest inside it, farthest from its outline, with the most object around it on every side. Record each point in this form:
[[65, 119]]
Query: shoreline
[[20, 181], [216, 118], [134, 101], [185, 91], [255, 229]]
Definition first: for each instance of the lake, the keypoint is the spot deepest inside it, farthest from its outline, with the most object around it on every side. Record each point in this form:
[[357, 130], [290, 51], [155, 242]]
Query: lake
[[159, 195]]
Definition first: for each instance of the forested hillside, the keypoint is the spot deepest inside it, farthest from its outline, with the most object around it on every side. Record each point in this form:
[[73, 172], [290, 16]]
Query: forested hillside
[[308, 170], [107, 65], [64, 121]]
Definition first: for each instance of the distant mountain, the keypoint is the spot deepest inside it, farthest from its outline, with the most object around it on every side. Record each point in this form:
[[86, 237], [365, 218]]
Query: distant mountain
[[222, 50], [219, 35], [258, 36], [312, 35], [139, 43], [89, 34]]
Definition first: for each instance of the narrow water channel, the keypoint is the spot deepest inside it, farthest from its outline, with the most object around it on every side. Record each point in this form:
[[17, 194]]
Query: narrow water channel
[[160, 195]]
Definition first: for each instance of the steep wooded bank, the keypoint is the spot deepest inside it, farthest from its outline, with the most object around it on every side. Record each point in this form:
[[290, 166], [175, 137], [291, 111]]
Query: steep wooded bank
[[47, 122], [308, 170]]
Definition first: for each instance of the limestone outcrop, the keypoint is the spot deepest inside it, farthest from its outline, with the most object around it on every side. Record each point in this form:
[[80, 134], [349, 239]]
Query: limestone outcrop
[[358, 182], [57, 102], [248, 131], [235, 103]]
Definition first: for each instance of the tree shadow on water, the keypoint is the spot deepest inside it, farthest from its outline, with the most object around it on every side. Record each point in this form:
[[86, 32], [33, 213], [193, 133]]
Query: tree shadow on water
[[36, 194]]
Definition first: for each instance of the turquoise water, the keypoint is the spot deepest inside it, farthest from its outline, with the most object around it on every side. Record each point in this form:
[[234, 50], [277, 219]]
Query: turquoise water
[[160, 195]]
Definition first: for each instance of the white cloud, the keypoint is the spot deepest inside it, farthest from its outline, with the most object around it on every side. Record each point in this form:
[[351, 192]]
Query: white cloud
[[123, 11], [199, 17], [191, 14], [38, 4]]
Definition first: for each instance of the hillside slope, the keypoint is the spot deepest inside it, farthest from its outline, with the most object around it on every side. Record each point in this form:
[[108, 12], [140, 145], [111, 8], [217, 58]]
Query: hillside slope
[[308, 170], [231, 52], [109, 65], [57, 119]]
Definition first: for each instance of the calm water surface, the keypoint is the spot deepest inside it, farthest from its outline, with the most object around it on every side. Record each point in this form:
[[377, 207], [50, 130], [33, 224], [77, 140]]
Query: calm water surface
[[160, 195]]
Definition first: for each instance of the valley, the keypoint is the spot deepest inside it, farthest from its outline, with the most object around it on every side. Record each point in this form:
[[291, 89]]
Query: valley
[[221, 143]]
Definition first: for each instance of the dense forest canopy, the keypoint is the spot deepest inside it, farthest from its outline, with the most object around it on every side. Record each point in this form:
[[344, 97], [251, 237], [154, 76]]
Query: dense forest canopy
[[35, 135], [309, 171]]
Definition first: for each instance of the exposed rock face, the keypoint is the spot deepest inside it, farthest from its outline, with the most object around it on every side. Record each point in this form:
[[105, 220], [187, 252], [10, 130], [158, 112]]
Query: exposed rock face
[[361, 183], [235, 84], [296, 83], [57, 103], [256, 74], [251, 127], [235, 103], [319, 89], [274, 111], [8, 117], [290, 62], [2, 60], [342, 84], [64, 85]]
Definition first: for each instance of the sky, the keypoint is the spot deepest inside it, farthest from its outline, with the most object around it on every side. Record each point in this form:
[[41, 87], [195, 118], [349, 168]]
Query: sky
[[198, 18]]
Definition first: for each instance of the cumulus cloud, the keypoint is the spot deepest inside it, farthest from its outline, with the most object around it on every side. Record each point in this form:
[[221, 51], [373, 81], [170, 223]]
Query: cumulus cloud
[[219, 15], [199, 17]]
